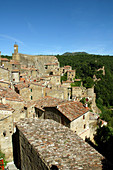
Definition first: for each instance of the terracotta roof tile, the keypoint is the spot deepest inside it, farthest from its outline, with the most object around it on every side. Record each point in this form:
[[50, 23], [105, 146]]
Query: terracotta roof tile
[[22, 85], [9, 94], [72, 110], [5, 107], [71, 70], [4, 59], [67, 66], [58, 145]]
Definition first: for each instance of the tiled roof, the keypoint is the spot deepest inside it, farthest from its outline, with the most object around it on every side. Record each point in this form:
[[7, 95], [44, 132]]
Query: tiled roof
[[4, 59], [22, 79], [29, 68], [48, 101], [72, 110], [58, 145], [67, 81], [21, 86], [49, 64], [67, 66], [77, 79], [15, 70], [5, 107], [9, 94], [5, 82]]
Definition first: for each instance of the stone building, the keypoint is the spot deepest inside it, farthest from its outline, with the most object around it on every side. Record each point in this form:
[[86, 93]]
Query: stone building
[[35, 61], [6, 130], [53, 146], [15, 76], [71, 75], [4, 74], [71, 114], [8, 96], [23, 89]]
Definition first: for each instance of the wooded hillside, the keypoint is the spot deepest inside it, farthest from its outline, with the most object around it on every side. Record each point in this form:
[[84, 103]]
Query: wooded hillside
[[86, 66]]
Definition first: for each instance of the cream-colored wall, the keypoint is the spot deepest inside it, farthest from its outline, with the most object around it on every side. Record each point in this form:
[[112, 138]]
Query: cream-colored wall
[[37, 91], [15, 75], [25, 93], [76, 92], [77, 125], [31, 112], [55, 80], [34, 73]]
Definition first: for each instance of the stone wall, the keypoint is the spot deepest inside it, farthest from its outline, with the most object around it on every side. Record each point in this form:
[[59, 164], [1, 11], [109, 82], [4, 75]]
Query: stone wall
[[81, 125], [37, 91], [27, 156], [76, 92], [54, 114], [6, 131], [18, 109], [25, 93], [35, 60], [4, 74]]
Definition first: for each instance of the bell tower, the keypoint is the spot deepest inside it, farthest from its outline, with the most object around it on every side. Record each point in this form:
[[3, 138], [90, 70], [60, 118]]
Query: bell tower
[[15, 48], [15, 55]]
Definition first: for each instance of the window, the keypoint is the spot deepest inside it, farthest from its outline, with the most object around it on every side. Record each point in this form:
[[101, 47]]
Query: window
[[83, 116], [4, 133], [84, 126], [31, 97], [46, 67], [31, 90]]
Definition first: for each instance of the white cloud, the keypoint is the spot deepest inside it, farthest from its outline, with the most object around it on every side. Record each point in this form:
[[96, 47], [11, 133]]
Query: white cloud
[[11, 38]]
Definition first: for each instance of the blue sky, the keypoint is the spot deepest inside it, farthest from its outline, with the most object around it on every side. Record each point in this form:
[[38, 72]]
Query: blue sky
[[56, 26]]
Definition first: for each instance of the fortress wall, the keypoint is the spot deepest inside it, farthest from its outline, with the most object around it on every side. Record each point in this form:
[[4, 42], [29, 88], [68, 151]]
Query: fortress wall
[[37, 61]]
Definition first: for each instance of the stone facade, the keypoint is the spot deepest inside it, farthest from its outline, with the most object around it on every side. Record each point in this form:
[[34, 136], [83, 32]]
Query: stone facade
[[6, 130], [71, 114], [4, 74], [71, 75]]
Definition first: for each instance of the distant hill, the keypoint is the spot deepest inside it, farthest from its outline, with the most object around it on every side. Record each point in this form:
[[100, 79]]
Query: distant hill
[[74, 53]]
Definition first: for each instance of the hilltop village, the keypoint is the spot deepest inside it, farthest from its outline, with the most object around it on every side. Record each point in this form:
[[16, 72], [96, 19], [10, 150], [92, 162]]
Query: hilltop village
[[31, 91]]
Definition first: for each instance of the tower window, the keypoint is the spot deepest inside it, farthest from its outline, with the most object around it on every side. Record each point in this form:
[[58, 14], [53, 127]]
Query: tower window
[[4, 133]]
